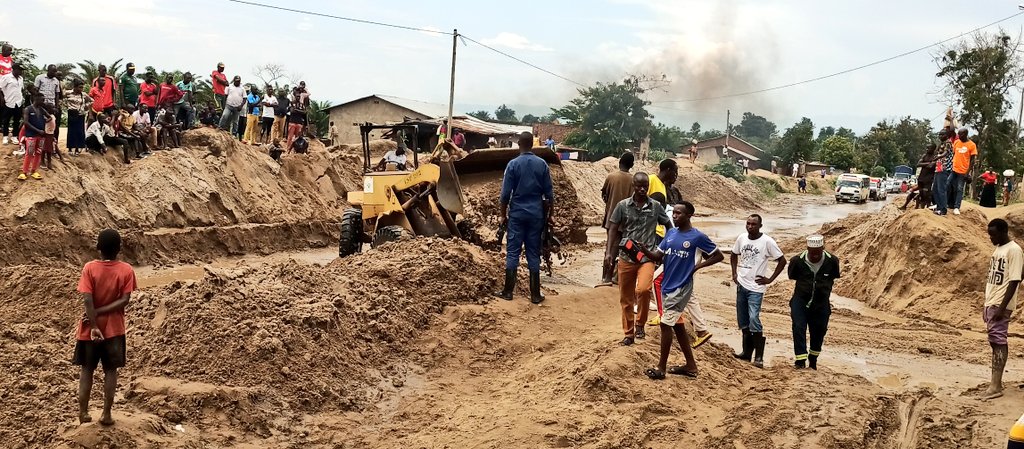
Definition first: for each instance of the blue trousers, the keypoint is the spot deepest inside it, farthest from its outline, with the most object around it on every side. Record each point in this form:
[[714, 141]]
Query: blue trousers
[[940, 194], [815, 319], [957, 182], [748, 309], [524, 231]]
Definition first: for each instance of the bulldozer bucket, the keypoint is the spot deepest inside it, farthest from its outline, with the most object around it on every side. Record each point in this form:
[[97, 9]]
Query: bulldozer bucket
[[449, 189], [496, 159]]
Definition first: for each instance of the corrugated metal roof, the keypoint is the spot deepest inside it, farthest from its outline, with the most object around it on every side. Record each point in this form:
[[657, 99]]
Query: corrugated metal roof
[[431, 110], [476, 126]]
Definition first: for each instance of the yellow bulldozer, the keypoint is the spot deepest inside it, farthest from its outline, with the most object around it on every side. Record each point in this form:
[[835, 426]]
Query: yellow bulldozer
[[426, 200]]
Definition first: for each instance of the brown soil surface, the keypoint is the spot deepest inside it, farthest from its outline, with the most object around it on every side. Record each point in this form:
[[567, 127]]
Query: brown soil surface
[[483, 192], [709, 192], [213, 182], [914, 263]]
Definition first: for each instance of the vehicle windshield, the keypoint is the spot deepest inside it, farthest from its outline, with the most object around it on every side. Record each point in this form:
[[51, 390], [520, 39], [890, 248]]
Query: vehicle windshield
[[848, 183]]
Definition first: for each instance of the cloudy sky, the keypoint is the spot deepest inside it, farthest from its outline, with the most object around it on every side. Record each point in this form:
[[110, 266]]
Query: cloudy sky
[[705, 48]]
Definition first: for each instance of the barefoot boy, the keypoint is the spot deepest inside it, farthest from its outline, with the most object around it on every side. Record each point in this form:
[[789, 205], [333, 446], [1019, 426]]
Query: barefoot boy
[[678, 251], [106, 286]]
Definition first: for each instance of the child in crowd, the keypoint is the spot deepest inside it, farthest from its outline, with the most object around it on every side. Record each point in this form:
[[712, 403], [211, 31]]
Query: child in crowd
[[276, 150], [169, 130], [106, 286], [678, 251], [49, 139]]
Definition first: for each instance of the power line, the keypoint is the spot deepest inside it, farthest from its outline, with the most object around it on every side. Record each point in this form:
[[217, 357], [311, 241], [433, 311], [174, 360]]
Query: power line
[[521, 61], [330, 16], [403, 27], [843, 72]]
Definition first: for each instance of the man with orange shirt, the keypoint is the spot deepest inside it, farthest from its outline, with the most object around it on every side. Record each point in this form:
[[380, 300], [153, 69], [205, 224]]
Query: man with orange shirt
[[964, 152], [104, 100], [106, 286], [220, 84]]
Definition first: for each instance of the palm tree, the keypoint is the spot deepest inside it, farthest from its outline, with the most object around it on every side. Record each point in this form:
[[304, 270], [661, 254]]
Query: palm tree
[[90, 70], [319, 117]]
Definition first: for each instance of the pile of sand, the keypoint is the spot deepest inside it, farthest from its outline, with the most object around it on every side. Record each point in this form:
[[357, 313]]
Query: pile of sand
[[252, 348], [176, 199], [483, 192], [913, 263], [706, 190]]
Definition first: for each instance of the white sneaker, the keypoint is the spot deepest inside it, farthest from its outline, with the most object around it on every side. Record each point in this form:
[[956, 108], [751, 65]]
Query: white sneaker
[[933, 207], [6, 140], [956, 211]]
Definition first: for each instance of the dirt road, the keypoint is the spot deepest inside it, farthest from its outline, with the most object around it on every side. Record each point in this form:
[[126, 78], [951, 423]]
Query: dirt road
[[516, 375]]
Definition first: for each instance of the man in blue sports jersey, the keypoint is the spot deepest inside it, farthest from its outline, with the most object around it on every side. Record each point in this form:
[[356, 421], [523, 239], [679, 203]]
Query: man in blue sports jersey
[[678, 251]]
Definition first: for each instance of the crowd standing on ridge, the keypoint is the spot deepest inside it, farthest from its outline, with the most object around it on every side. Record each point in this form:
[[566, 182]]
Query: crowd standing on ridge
[[137, 115]]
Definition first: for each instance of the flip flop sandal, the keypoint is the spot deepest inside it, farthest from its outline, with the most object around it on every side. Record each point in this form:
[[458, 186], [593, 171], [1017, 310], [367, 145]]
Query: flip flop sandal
[[701, 340], [682, 371], [640, 334], [603, 284], [654, 374]]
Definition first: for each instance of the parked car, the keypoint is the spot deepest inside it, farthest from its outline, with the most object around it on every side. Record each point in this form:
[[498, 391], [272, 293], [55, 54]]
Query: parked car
[[853, 188]]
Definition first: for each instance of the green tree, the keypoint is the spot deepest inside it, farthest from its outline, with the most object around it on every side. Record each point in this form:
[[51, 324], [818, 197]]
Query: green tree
[[979, 74], [694, 131], [838, 152], [89, 70], [710, 134], [797, 143], [755, 129], [607, 117], [878, 172], [505, 114], [667, 138], [530, 119], [319, 120], [482, 115], [912, 136]]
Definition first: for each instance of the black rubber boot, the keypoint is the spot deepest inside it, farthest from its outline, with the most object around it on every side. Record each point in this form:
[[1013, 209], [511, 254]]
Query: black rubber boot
[[536, 296], [759, 341], [800, 364], [812, 362], [510, 286], [747, 347]]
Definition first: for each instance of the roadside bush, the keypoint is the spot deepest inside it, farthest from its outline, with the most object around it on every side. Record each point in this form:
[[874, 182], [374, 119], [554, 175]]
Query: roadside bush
[[878, 172], [769, 188], [728, 168]]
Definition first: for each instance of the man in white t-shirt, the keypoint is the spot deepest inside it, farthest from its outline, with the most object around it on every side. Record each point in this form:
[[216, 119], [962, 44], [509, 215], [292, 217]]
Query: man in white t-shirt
[[749, 260]]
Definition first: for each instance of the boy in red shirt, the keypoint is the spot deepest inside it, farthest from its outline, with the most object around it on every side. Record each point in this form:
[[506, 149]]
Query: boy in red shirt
[[106, 286]]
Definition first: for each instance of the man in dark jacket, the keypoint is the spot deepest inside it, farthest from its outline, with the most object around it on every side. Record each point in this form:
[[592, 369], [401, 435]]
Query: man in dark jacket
[[814, 271]]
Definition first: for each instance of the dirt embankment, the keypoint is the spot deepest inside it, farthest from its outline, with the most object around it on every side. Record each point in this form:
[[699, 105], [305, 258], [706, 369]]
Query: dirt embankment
[[249, 350], [915, 263], [708, 191], [483, 192], [186, 200]]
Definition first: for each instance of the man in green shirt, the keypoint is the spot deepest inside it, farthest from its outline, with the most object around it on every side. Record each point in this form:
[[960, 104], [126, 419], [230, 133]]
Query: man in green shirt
[[129, 87]]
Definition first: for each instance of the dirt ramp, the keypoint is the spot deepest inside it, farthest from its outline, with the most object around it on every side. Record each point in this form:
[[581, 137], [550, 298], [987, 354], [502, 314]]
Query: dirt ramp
[[913, 263]]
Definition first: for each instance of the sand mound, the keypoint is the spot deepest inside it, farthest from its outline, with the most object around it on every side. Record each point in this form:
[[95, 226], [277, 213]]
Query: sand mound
[[212, 181], [483, 192], [914, 263], [706, 190], [251, 348]]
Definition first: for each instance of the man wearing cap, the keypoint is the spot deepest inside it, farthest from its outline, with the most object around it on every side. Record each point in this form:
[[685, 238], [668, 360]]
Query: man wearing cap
[[814, 270], [220, 84], [964, 151], [129, 87]]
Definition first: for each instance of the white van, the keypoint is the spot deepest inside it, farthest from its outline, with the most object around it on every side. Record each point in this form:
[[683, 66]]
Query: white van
[[851, 187]]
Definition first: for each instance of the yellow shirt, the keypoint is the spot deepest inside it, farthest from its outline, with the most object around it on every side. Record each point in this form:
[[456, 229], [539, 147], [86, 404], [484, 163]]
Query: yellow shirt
[[536, 142], [655, 186]]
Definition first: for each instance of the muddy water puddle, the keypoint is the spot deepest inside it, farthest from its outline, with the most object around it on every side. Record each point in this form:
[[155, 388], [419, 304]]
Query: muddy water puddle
[[150, 276], [805, 216]]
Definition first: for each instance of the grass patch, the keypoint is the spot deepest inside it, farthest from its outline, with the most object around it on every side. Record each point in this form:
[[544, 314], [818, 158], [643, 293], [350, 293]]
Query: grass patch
[[768, 188], [727, 168]]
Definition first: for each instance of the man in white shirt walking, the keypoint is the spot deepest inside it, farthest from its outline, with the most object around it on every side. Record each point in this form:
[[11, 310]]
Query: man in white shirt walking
[[749, 260], [11, 102]]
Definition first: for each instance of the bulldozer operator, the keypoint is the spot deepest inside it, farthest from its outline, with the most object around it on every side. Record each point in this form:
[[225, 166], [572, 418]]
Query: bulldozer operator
[[527, 201], [396, 159]]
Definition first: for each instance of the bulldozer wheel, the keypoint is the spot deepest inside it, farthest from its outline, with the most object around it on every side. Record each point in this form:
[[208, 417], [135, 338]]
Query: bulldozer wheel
[[388, 234], [351, 240]]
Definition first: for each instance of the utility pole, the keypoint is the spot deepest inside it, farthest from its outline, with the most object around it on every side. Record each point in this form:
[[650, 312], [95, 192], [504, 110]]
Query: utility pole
[[727, 114], [1021, 116], [451, 93]]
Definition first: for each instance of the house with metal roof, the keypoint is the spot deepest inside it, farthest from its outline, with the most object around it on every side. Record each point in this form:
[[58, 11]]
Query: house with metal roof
[[381, 109]]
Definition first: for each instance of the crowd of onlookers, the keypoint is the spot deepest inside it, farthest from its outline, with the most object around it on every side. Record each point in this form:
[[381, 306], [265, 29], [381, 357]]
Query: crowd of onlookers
[[138, 115]]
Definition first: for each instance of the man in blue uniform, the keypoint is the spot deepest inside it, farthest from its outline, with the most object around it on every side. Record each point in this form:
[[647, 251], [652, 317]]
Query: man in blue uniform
[[527, 199]]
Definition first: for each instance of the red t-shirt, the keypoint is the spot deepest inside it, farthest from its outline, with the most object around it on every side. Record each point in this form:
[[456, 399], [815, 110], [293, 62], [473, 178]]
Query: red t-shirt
[[105, 99], [148, 100], [218, 88], [989, 178], [169, 94], [6, 65], [106, 281]]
